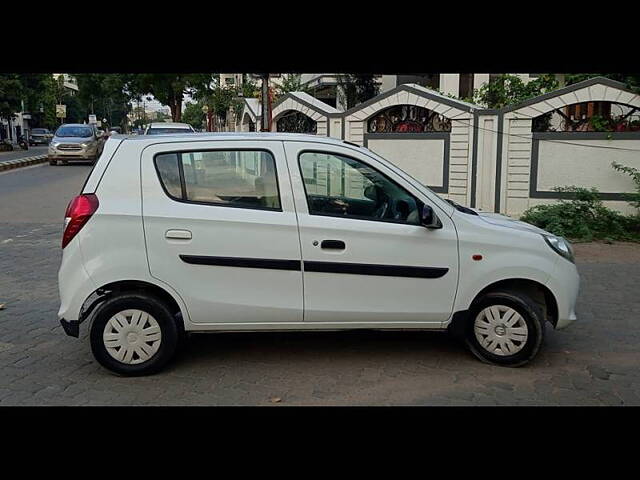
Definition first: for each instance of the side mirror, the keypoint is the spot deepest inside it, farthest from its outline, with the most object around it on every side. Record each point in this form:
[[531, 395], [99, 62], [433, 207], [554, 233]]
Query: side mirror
[[429, 219]]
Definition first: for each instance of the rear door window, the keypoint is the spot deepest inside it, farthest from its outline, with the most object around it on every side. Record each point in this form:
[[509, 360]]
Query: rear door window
[[232, 178]]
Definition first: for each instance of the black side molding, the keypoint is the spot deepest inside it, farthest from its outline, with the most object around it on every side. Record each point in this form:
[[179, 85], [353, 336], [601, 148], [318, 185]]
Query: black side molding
[[243, 262], [379, 270], [323, 267]]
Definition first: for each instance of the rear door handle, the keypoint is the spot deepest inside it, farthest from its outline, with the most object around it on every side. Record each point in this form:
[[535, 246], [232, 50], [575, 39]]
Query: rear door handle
[[178, 234], [333, 244]]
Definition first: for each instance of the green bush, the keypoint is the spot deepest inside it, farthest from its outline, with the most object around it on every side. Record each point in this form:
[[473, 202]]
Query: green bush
[[583, 218], [634, 173]]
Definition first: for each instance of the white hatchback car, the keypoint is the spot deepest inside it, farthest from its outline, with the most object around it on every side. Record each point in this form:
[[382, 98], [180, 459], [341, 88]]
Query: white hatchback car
[[229, 232], [164, 128]]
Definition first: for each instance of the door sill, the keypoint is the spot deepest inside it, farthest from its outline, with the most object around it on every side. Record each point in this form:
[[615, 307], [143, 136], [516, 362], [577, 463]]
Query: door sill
[[301, 326]]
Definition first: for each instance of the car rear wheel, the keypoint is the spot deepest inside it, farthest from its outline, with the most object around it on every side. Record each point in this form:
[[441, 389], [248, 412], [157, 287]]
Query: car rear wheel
[[53, 162], [133, 334], [505, 328]]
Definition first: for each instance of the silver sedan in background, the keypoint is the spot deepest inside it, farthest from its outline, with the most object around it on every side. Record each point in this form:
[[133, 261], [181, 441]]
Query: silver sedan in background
[[75, 141]]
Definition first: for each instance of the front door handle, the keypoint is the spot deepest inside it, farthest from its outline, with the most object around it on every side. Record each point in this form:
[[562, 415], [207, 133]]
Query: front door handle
[[333, 244], [178, 234]]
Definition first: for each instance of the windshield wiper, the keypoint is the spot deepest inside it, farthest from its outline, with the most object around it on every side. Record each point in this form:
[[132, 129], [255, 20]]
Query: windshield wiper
[[460, 208]]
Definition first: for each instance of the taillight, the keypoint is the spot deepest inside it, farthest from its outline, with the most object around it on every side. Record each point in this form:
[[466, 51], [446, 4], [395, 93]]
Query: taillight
[[78, 213]]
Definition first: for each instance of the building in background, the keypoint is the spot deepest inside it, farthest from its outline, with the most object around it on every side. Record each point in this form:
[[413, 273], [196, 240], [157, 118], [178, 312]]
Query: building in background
[[325, 86], [70, 83]]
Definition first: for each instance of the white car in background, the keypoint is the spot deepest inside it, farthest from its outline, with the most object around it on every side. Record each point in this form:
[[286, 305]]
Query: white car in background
[[272, 231], [163, 128]]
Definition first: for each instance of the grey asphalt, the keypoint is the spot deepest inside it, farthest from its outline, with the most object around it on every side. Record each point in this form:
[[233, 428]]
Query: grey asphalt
[[19, 153], [593, 362]]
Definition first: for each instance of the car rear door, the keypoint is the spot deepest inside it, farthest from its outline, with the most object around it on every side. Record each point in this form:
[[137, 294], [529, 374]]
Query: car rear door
[[220, 228], [368, 260]]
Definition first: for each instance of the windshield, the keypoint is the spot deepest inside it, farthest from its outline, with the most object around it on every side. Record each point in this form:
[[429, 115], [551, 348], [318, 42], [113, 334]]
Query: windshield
[[39, 130], [67, 131], [160, 131]]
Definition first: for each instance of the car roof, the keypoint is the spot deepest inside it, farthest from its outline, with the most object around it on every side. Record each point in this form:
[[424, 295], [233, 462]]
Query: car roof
[[75, 125], [221, 136], [170, 125]]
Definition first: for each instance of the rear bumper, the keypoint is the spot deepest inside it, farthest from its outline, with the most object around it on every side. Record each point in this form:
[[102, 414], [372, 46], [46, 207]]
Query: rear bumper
[[71, 327]]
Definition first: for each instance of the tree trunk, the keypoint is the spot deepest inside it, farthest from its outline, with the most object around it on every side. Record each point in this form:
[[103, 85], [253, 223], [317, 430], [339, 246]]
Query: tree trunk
[[175, 104]]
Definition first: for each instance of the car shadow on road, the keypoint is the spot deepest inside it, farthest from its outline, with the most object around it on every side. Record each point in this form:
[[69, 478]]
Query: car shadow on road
[[339, 347]]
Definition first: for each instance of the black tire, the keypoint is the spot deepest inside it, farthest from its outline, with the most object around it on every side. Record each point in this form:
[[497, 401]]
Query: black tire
[[53, 162], [149, 304], [531, 314]]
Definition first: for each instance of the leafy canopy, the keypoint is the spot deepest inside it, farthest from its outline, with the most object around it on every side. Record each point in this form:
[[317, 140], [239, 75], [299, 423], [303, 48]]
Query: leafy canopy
[[510, 90]]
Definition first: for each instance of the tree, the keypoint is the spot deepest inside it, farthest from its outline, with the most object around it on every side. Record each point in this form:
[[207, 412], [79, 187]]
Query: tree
[[631, 80], [193, 115], [10, 95], [511, 89], [219, 100], [249, 88], [291, 83], [48, 118], [355, 89], [105, 95], [170, 88]]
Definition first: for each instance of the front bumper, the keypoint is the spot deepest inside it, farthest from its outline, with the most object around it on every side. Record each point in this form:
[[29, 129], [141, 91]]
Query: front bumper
[[70, 157], [564, 283], [66, 155]]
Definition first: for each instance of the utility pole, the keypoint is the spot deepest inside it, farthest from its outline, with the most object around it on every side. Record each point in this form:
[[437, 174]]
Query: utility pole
[[266, 104]]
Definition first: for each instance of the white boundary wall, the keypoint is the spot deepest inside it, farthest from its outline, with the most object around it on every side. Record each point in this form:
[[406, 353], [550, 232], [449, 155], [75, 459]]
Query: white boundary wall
[[494, 161]]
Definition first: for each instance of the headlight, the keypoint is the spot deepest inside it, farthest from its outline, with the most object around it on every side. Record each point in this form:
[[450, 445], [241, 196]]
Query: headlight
[[54, 144], [561, 246]]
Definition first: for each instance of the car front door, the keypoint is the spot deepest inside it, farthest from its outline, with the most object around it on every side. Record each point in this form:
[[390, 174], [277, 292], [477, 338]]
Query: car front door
[[366, 256], [221, 230]]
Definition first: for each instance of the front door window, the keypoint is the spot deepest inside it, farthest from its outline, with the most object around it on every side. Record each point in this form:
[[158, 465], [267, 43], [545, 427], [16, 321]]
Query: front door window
[[341, 186]]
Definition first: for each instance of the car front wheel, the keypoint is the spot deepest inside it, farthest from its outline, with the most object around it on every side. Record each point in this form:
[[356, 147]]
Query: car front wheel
[[505, 328], [133, 334]]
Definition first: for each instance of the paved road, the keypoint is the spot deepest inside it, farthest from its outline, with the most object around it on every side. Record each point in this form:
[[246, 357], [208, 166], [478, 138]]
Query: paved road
[[594, 362], [19, 153]]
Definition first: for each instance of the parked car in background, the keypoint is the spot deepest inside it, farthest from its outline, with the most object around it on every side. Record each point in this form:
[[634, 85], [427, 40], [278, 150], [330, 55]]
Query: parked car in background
[[40, 136], [73, 142], [163, 128], [246, 232], [116, 130]]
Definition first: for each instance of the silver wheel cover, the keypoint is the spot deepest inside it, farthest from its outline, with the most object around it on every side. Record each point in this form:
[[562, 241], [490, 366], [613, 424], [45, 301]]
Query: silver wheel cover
[[501, 330], [132, 336]]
